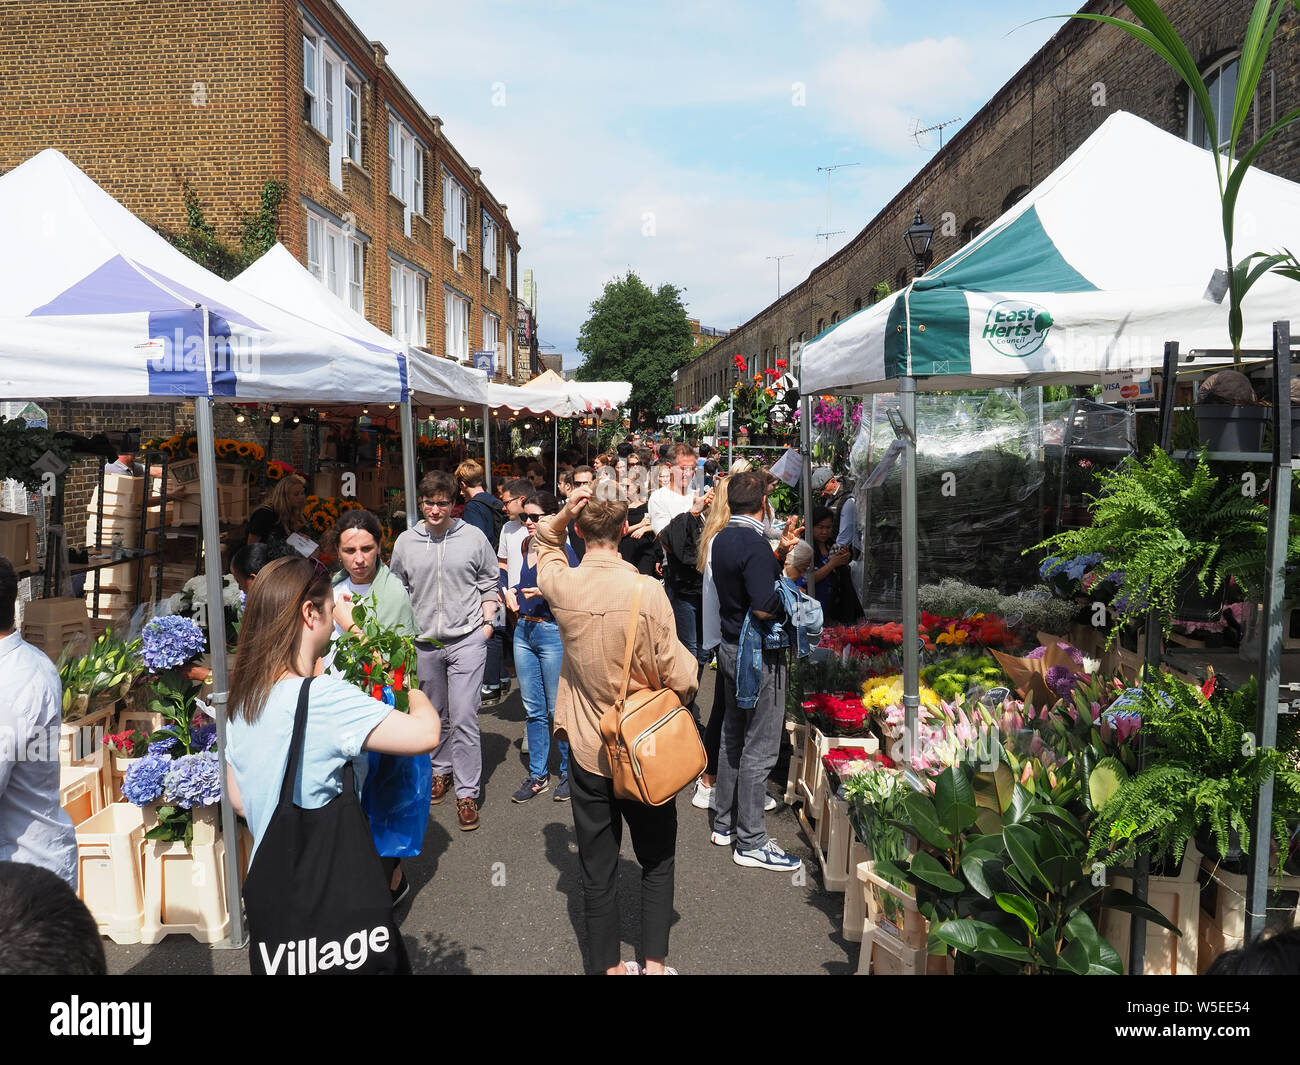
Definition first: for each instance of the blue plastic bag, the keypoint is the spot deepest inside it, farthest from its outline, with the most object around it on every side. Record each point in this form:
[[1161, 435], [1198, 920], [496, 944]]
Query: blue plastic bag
[[396, 800]]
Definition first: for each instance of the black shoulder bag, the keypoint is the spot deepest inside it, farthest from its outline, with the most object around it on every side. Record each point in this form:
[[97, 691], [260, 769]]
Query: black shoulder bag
[[316, 896]]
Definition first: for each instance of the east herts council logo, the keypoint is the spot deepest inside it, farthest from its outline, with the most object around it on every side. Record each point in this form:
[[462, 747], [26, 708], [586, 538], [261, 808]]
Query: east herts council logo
[[1016, 329]]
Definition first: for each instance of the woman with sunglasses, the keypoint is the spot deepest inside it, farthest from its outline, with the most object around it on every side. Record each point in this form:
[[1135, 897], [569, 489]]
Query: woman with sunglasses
[[538, 654]]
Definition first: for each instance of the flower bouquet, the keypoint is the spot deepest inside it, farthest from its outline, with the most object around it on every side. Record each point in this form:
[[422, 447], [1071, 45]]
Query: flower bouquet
[[180, 766], [104, 674], [837, 715], [192, 601], [843, 763], [377, 660]]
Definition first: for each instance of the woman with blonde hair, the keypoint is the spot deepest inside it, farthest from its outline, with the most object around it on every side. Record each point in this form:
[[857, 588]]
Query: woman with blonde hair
[[281, 514]]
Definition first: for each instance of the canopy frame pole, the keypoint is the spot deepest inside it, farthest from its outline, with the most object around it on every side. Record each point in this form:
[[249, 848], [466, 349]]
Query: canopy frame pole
[[911, 648], [487, 447], [210, 528], [555, 454], [408, 461], [805, 480]]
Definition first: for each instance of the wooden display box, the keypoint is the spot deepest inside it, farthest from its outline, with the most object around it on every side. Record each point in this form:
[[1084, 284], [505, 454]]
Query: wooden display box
[[186, 471], [110, 876], [832, 842], [855, 901], [127, 528], [797, 733], [1178, 898], [1223, 899], [18, 542], [327, 484], [812, 774], [52, 624], [893, 910]]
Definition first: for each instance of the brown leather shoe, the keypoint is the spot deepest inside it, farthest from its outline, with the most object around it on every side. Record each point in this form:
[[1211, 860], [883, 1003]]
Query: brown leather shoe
[[441, 785], [467, 814]]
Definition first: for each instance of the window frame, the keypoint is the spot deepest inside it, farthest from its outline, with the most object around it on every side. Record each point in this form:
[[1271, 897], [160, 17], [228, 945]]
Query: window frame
[[1213, 78], [490, 236], [408, 304], [455, 213], [456, 311], [351, 120], [332, 241]]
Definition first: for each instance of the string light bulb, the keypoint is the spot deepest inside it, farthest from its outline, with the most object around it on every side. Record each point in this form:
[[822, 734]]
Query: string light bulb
[[296, 418], [240, 418], [275, 416], [392, 406]]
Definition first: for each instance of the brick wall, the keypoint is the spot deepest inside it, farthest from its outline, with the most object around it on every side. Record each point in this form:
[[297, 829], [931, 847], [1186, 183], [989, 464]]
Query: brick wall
[[1035, 121]]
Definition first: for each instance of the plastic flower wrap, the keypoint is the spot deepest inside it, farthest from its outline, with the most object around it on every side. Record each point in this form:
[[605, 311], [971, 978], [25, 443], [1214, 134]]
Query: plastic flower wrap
[[171, 641], [193, 780], [837, 715]]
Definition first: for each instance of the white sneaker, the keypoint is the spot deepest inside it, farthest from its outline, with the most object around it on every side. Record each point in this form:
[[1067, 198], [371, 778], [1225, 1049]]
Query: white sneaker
[[703, 797], [769, 804], [722, 839], [770, 856]]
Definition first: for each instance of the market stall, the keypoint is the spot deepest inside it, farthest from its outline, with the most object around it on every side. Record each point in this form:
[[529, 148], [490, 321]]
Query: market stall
[[1053, 293], [94, 303]]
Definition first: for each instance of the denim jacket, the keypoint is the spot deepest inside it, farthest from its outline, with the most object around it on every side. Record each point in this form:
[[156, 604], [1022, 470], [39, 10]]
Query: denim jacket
[[802, 616]]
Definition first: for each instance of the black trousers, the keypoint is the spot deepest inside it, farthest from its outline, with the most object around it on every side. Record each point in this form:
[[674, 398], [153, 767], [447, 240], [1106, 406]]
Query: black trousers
[[598, 824], [713, 730]]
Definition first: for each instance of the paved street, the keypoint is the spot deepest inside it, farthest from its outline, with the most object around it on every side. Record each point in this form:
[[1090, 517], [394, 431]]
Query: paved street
[[506, 898]]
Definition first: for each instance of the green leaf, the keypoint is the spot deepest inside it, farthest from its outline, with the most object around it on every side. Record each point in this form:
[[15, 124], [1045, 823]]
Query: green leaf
[[1020, 841], [1021, 797], [927, 868], [1080, 929], [993, 791], [954, 801], [1104, 781], [1110, 963], [970, 937], [921, 819], [1126, 902], [1074, 958], [1020, 907]]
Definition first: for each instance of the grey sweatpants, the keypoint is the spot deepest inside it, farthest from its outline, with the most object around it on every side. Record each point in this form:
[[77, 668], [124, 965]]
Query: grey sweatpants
[[452, 678], [751, 741]]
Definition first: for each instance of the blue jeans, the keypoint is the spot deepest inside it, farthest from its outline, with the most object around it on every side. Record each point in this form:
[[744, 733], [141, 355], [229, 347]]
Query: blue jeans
[[688, 613], [538, 654]]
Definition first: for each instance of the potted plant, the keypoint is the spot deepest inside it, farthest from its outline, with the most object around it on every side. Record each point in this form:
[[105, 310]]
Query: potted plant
[[1228, 416], [1200, 780], [1168, 532]]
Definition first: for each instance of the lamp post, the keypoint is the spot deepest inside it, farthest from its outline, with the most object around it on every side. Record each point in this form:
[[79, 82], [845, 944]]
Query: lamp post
[[917, 238]]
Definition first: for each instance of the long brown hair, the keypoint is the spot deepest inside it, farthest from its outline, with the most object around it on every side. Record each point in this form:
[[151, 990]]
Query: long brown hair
[[271, 633], [291, 518], [719, 515]]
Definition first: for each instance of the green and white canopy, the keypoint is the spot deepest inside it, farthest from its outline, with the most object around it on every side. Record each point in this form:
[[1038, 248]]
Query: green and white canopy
[[1108, 258]]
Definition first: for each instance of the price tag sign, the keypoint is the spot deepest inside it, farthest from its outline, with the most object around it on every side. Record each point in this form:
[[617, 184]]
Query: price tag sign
[[301, 544], [788, 467], [885, 464]]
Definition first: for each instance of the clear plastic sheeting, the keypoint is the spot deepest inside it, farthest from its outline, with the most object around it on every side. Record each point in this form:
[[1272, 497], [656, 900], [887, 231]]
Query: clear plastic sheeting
[[1085, 424], [979, 486]]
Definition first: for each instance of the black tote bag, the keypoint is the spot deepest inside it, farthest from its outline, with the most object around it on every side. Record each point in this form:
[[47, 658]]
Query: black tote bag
[[316, 897]]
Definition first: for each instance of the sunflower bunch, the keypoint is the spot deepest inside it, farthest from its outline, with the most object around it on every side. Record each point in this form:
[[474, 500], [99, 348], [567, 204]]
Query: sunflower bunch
[[322, 512]]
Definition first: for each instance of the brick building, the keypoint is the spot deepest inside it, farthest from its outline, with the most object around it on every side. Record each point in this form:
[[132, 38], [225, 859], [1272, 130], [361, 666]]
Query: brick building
[[149, 97], [1049, 108]]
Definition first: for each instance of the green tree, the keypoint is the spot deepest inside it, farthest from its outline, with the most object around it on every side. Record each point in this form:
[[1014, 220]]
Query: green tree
[[640, 336]]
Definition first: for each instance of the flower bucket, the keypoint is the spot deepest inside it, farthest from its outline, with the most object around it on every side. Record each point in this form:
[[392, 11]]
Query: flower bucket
[[1191, 605], [1232, 429]]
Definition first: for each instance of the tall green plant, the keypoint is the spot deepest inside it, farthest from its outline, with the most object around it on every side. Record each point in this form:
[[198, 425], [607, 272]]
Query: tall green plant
[[1230, 168]]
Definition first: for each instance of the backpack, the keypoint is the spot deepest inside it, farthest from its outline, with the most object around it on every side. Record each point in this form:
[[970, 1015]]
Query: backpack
[[497, 515]]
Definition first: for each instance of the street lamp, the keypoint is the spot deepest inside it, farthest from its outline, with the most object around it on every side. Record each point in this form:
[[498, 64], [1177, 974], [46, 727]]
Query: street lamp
[[918, 237]]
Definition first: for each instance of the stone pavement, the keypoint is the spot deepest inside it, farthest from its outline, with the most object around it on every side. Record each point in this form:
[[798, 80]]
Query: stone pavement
[[506, 898]]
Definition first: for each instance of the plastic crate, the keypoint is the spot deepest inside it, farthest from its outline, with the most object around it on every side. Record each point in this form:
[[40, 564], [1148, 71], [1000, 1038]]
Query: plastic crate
[[122, 493], [855, 895], [81, 791], [1178, 898], [184, 890], [81, 741], [109, 872], [812, 774], [797, 732], [893, 910], [1223, 899], [18, 541], [831, 842]]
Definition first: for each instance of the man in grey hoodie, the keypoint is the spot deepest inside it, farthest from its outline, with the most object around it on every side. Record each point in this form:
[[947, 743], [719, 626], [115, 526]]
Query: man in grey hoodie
[[450, 571]]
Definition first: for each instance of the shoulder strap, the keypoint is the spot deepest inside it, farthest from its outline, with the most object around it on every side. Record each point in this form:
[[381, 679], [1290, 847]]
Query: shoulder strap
[[632, 617], [295, 744]]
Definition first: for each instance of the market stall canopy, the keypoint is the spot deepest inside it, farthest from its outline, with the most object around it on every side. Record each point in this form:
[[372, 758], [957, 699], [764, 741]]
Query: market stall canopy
[[1105, 260], [519, 399], [95, 304], [704, 411], [279, 278], [602, 398], [550, 379]]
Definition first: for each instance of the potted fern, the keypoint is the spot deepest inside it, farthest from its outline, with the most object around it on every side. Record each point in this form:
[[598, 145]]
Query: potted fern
[[1171, 533], [1202, 775]]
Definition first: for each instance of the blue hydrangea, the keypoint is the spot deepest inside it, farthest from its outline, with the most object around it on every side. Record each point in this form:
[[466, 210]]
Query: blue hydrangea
[[162, 746], [204, 737], [171, 641], [1077, 567], [143, 782], [194, 780], [1048, 567]]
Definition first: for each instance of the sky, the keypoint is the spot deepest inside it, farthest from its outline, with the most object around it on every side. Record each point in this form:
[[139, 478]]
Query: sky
[[682, 141]]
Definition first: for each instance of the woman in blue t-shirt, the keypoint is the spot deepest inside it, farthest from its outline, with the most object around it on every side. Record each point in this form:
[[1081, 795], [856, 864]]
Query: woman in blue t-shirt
[[288, 622], [538, 655]]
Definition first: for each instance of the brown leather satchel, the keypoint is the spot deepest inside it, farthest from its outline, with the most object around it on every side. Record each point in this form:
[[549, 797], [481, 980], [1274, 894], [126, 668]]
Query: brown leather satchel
[[653, 745]]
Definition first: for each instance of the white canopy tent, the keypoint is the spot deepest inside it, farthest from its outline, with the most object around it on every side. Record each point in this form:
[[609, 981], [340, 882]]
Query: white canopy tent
[[280, 279], [95, 304], [1109, 257]]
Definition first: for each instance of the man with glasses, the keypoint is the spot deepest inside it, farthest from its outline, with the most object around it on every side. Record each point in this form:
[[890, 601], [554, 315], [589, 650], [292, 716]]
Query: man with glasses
[[514, 494], [451, 574], [583, 477]]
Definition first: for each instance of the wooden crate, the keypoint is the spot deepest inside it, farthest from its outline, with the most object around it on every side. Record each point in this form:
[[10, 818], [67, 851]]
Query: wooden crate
[[81, 740], [893, 910], [812, 774], [52, 624], [127, 528], [855, 895], [122, 493], [1178, 898], [110, 877], [327, 483], [232, 473], [232, 503], [186, 471], [18, 542], [831, 842]]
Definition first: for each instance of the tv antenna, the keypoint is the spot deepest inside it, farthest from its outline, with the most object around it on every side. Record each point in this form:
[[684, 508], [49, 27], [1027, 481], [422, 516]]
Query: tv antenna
[[917, 131], [828, 234], [778, 259]]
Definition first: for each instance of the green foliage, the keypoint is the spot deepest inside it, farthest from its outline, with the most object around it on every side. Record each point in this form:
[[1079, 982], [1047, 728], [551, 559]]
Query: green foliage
[[1003, 880], [1158, 523], [881, 290], [953, 678], [1230, 164], [1037, 608], [200, 242], [106, 670], [373, 657], [21, 446], [637, 335], [1203, 769]]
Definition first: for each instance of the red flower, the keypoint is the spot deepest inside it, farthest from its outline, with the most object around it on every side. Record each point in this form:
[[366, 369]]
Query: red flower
[[1207, 689], [780, 364], [365, 668], [377, 692], [398, 674]]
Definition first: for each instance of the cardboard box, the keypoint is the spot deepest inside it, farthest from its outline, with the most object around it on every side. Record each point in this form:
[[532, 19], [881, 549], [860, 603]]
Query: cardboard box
[[18, 542]]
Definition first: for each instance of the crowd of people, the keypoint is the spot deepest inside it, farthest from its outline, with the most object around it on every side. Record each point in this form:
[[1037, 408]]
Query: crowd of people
[[544, 580]]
